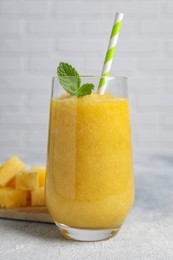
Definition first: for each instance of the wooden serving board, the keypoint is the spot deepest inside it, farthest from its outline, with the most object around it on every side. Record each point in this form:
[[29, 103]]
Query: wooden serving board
[[37, 214]]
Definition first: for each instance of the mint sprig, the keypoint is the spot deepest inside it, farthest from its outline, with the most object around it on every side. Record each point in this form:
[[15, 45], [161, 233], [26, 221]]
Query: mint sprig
[[70, 80]]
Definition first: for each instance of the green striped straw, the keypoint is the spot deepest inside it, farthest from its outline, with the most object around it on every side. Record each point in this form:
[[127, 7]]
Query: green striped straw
[[110, 53]]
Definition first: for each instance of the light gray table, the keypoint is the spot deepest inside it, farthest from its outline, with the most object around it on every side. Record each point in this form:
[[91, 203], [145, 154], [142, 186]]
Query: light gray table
[[146, 235]]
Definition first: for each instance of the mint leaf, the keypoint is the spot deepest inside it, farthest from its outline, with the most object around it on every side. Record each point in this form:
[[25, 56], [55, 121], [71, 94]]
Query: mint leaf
[[85, 89], [68, 77], [70, 80]]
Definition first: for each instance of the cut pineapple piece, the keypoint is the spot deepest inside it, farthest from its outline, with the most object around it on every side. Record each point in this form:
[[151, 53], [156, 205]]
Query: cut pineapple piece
[[27, 180], [12, 183], [11, 198], [37, 197], [9, 169], [41, 172]]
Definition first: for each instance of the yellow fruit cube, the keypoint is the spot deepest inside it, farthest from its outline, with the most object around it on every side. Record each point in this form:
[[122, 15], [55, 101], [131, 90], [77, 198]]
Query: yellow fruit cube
[[11, 198], [9, 169], [27, 180], [42, 174], [12, 183], [37, 197]]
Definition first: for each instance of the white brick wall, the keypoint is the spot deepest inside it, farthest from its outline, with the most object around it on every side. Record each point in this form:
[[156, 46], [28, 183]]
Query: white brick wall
[[36, 34]]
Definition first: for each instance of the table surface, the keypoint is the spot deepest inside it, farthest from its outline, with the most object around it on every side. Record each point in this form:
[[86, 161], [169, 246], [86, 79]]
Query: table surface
[[147, 233]]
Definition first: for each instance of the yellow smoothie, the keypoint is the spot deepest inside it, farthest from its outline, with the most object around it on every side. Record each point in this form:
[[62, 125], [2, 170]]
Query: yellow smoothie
[[89, 166]]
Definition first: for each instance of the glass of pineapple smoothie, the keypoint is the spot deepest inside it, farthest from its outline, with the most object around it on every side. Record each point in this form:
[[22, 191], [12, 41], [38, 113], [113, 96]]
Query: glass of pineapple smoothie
[[89, 185]]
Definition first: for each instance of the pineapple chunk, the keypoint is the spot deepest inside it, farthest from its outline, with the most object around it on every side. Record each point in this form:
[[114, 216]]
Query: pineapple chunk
[[42, 174], [9, 169], [12, 183], [37, 197], [11, 198], [27, 180]]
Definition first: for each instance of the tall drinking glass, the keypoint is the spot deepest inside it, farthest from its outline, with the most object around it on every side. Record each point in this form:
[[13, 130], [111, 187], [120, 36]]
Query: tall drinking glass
[[89, 185]]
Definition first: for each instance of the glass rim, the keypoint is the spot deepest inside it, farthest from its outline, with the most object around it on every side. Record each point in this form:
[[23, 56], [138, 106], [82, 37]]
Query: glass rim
[[96, 77]]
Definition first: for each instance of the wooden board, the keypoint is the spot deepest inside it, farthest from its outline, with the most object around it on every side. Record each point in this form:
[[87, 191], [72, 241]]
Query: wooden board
[[37, 214]]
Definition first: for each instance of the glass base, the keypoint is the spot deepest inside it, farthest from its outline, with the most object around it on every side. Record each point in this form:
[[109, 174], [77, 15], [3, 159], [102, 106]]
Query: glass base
[[87, 234]]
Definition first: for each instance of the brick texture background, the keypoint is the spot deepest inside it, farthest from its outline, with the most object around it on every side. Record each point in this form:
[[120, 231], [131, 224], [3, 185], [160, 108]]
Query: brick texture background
[[35, 35]]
